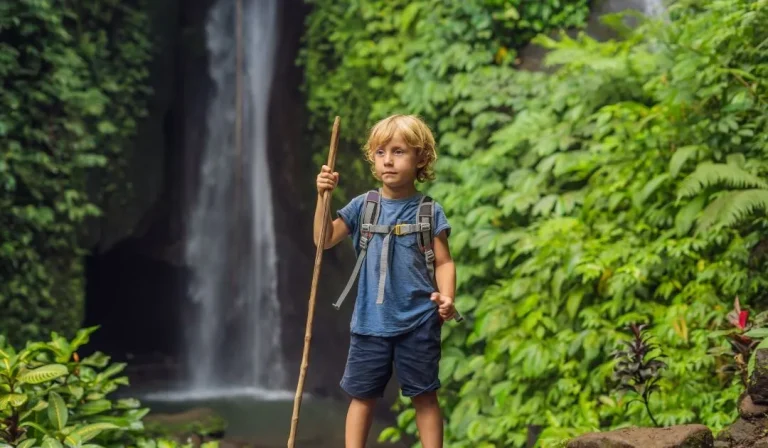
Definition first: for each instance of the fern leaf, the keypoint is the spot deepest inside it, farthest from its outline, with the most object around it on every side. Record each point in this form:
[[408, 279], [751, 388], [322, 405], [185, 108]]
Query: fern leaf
[[732, 207], [708, 174], [649, 189], [681, 156]]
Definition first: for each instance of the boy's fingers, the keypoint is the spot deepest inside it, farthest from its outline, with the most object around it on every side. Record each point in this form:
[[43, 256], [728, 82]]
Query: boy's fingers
[[434, 297]]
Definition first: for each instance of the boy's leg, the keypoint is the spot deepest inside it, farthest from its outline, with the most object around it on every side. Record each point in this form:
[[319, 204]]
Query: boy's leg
[[359, 418], [429, 419], [369, 367], [417, 363]]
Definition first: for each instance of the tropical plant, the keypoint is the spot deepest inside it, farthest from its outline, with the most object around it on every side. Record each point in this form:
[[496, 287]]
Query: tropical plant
[[50, 397], [639, 368], [74, 89]]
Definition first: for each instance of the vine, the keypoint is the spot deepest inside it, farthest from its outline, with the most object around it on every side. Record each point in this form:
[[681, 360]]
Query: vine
[[74, 85]]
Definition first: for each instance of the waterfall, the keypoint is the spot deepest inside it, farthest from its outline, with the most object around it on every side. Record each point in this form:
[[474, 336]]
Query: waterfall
[[653, 8], [233, 329]]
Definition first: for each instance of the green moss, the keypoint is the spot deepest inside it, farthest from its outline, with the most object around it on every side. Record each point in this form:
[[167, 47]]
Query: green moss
[[202, 422]]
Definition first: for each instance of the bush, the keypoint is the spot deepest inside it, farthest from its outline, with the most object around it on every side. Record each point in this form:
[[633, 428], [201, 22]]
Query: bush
[[74, 87], [50, 397], [627, 186]]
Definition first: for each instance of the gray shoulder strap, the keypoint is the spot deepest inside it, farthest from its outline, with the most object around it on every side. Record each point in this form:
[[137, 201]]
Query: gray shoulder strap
[[426, 215], [368, 215]]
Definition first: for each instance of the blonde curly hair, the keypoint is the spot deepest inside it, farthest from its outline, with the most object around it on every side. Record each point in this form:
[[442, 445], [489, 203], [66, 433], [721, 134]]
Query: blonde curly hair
[[416, 134]]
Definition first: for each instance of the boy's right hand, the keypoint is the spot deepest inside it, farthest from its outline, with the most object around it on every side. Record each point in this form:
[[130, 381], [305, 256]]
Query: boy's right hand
[[326, 181]]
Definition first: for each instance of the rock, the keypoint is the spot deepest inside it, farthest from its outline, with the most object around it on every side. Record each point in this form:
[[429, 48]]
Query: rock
[[193, 424], [762, 443], [758, 381], [684, 436], [748, 409], [721, 444], [741, 432]]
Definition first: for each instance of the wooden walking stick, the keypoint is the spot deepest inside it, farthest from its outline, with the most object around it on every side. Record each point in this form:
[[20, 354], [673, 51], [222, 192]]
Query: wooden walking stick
[[313, 290]]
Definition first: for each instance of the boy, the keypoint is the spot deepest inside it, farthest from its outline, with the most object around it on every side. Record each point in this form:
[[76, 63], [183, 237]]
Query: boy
[[397, 319]]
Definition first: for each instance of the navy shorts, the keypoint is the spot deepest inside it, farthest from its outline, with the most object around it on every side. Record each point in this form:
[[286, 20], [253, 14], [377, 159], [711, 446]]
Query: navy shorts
[[415, 356]]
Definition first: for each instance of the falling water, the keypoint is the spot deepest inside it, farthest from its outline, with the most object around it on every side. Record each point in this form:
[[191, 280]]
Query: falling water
[[233, 340], [653, 8]]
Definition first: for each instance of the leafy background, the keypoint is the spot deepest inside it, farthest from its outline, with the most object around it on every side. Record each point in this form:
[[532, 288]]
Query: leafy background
[[628, 185], [625, 185], [74, 87]]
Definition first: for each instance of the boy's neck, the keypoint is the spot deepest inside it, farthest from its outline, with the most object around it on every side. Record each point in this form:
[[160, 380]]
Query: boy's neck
[[398, 192]]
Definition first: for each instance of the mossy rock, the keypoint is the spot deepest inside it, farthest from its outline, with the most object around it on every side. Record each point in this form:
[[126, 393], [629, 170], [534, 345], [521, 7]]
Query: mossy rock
[[203, 422]]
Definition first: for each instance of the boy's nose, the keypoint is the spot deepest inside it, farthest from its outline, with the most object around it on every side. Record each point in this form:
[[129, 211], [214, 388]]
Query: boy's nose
[[388, 159]]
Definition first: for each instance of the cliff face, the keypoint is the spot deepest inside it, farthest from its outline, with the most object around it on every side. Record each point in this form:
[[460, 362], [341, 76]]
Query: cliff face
[[136, 275]]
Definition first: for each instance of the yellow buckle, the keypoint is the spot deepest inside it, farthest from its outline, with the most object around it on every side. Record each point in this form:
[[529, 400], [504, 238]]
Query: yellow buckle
[[398, 229]]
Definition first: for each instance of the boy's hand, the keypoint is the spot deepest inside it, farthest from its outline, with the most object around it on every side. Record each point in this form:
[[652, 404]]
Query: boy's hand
[[326, 181], [445, 307]]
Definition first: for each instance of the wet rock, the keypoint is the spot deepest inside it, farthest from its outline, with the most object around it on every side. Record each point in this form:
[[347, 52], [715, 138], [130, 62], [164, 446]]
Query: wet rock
[[758, 381], [748, 409], [193, 424], [741, 433], [684, 436]]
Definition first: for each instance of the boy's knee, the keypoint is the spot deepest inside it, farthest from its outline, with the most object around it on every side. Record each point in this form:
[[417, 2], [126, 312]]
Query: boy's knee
[[367, 403], [425, 400]]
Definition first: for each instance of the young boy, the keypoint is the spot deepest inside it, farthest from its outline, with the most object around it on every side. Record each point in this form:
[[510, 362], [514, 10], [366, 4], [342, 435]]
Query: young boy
[[399, 324]]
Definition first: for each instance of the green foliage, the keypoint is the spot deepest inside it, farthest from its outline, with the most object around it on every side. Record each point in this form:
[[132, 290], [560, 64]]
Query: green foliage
[[50, 397], [639, 367], [581, 200], [74, 79], [363, 57]]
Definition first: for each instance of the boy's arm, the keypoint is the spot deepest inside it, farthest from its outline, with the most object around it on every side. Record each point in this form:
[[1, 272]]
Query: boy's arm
[[336, 231], [445, 270]]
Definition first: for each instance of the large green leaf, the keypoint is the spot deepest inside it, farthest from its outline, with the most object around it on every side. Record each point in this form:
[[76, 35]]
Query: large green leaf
[[88, 432], [43, 374], [58, 414], [94, 407], [13, 399], [50, 442], [28, 443]]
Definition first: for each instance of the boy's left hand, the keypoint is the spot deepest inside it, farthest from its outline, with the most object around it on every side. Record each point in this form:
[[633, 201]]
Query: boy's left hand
[[445, 307]]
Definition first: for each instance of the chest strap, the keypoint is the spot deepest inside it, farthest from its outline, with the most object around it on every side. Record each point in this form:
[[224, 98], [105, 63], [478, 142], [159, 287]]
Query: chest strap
[[369, 227]]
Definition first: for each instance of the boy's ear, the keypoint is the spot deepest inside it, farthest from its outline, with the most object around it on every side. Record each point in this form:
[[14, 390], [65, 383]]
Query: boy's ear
[[422, 161]]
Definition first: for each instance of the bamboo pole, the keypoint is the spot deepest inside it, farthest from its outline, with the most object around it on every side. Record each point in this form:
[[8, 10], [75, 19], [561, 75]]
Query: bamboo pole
[[313, 290]]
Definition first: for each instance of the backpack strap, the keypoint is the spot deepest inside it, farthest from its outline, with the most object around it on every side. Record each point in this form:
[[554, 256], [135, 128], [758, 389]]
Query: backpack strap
[[425, 218], [369, 216], [425, 215]]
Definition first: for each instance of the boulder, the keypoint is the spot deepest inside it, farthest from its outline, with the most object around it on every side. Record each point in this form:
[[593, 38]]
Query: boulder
[[742, 433], [748, 409], [758, 381], [684, 436]]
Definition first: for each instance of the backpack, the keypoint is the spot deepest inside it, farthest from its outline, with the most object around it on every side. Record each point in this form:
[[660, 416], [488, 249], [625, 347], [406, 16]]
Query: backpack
[[369, 217]]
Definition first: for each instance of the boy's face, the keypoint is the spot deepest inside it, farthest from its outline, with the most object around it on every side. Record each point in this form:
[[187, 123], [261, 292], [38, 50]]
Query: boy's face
[[396, 163]]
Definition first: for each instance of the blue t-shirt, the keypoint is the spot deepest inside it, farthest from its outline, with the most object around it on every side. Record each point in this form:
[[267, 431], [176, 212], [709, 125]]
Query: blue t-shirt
[[407, 288]]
